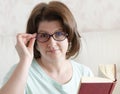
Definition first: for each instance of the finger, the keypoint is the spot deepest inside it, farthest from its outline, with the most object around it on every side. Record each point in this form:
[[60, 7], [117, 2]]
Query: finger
[[20, 40], [24, 38], [32, 41]]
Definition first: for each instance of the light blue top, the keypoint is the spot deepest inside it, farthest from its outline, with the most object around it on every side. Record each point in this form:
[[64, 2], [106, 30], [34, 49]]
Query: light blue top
[[39, 82]]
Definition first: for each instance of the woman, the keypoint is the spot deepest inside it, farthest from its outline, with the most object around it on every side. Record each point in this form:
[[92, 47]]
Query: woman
[[45, 50]]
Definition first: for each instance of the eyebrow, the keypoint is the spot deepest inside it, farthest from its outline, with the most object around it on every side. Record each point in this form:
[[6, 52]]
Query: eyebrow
[[43, 31]]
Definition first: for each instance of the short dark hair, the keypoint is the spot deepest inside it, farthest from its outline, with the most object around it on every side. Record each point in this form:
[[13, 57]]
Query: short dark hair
[[55, 10]]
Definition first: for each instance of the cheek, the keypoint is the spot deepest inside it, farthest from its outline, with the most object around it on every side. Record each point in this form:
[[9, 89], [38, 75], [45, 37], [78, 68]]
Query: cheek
[[40, 47], [65, 45]]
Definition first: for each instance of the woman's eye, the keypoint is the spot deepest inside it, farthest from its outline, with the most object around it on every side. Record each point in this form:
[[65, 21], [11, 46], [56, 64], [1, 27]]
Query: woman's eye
[[43, 35], [59, 33]]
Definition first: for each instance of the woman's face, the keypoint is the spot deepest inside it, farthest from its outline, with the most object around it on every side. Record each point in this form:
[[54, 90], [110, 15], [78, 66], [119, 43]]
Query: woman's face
[[52, 49]]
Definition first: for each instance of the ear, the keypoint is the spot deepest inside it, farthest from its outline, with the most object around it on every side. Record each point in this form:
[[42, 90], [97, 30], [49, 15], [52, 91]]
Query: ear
[[36, 51], [69, 46], [36, 47]]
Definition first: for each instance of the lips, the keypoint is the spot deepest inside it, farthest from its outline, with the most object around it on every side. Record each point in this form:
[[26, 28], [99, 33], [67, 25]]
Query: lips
[[53, 50]]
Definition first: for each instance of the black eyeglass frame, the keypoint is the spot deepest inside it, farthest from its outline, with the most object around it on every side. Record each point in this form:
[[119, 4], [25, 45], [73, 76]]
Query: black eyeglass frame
[[52, 35]]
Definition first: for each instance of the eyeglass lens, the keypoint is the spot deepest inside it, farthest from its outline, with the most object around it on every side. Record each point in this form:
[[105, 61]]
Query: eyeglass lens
[[58, 36]]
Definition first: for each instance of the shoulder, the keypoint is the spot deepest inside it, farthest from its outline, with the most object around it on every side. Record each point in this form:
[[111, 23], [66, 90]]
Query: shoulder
[[8, 74], [35, 69], [81, 69]]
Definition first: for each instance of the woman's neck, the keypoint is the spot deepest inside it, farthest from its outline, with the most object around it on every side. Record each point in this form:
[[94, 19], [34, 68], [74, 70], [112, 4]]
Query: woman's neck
[[53, 65], [57, 70]]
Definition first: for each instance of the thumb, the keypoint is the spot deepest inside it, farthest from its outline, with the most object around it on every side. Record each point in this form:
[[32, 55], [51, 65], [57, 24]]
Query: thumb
[[31, 43]]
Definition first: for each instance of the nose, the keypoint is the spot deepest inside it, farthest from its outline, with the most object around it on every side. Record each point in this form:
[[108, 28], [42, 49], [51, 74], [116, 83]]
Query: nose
[[51, 41]]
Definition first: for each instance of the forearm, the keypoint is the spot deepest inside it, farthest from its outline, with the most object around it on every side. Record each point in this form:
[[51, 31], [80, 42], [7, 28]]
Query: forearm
[[16, 83]]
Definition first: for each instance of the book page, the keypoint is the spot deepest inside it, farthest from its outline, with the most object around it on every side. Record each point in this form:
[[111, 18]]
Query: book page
[[95, 80], [108, 71]]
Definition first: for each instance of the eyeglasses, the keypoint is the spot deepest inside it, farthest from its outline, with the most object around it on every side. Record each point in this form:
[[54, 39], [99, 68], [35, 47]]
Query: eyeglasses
[[58, 36]]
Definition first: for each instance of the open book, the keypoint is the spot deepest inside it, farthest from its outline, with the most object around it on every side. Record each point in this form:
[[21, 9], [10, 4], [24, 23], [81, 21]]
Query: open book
[[99, 85]]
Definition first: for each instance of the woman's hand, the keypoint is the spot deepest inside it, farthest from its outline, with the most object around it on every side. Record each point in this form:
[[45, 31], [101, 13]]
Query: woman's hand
[[25, 45]]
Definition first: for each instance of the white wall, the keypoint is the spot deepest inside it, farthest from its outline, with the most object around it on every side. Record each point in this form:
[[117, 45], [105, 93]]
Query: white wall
[[91, 16], [100, 48]]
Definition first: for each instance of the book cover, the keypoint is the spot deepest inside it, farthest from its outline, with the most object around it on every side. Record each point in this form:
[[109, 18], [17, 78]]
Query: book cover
[[100, 85]]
